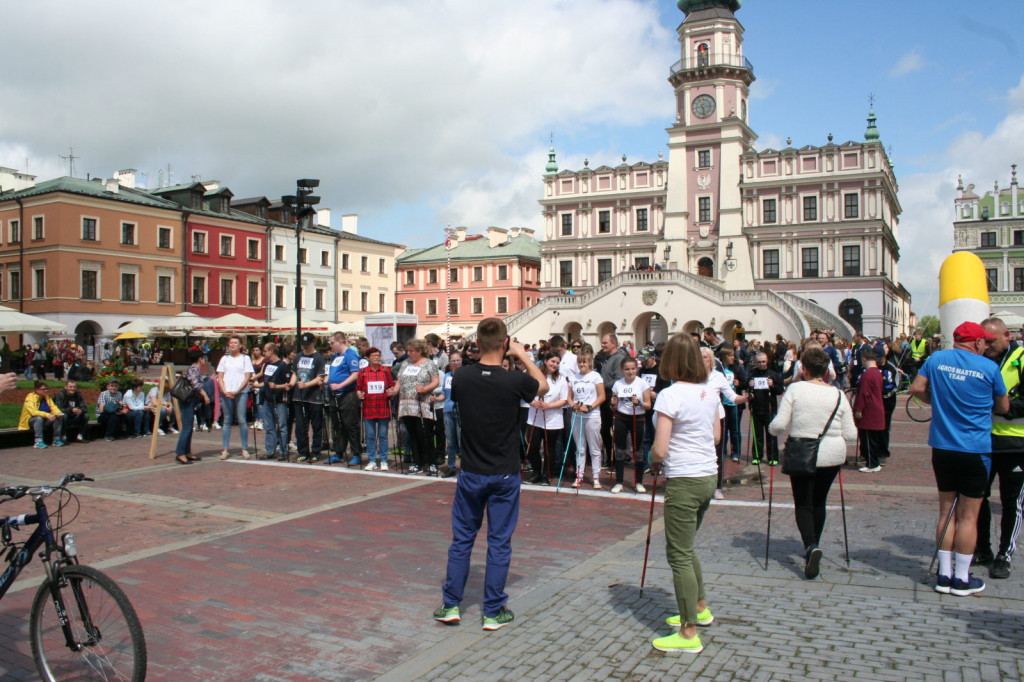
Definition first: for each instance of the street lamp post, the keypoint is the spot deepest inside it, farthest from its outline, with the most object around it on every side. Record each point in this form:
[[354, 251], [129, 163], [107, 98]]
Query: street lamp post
[[302, 206]]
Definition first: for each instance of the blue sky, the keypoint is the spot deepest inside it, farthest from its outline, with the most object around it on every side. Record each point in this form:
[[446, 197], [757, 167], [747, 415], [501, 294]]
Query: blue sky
[[418, 115]]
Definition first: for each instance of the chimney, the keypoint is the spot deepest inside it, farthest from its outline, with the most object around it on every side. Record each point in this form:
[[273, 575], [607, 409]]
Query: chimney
[[126, 177], [513, 232], [460, 233], [495, 236], [350, 223], [323, 217], [112, 185]]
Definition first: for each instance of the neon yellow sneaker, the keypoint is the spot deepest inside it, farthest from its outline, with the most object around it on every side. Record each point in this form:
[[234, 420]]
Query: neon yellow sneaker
[[704, 619], [449, 615], [675, 642]]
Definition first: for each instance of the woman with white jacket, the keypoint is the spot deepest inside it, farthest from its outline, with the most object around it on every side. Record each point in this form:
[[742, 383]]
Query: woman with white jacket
[[804, 411]]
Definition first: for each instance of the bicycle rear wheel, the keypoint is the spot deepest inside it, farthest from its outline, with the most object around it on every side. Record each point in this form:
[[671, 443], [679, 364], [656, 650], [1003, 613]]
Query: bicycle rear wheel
[[102, 622], [918, 411]]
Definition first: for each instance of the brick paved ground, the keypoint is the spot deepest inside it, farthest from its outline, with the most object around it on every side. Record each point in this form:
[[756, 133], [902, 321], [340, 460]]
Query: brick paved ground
[[257, 571]]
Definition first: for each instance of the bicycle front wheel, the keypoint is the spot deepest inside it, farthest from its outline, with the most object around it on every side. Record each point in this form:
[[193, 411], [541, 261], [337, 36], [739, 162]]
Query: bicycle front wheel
[[918, 411], [108, 637]]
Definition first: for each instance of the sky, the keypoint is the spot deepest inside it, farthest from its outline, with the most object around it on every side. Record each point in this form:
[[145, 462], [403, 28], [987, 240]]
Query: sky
[[419, 115]]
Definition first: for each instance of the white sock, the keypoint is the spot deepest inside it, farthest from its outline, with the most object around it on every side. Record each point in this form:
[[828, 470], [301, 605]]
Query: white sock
[[963, 567], [945, 563]]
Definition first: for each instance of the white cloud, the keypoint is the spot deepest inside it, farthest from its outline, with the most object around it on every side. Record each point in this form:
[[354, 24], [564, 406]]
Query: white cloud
[[908, 63]]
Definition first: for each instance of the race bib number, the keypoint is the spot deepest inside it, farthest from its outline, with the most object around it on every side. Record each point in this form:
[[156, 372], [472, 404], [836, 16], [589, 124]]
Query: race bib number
[[627, 392], [411, 371], [649, 379], [364, 363], [760, 383], [269, 371], [336, 362], [447, 383], [374, 387], [305, 363]]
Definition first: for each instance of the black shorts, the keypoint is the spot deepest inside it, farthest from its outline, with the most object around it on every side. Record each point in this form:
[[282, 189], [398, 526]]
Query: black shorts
[[965, 473]]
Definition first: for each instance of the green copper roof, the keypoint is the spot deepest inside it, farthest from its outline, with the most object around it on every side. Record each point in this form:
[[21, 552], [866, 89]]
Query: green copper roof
[[522, 246], [691, 5], [871, 135], [552, 166], [91, 188]]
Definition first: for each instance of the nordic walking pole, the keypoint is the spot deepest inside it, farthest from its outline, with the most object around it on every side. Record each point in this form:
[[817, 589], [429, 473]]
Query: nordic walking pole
[[565, 455], [768, 534], [757, 454], [637, 473], [650, 522], [938, 542], [842, 502]]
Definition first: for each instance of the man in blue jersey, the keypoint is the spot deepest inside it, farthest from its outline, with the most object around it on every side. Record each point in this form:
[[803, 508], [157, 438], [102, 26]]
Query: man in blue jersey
[[964, 389], [341, 380]]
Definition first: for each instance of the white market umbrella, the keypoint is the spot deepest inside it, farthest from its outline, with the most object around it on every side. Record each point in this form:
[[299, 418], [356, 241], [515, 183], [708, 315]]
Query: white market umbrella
[[286, 323], [453, 330], [139, 326], [13, 322], [235, 322], [1010, 319]]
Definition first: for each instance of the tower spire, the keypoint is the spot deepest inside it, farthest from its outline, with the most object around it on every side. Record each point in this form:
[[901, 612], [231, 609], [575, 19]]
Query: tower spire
[[552, 166], [871, 134]]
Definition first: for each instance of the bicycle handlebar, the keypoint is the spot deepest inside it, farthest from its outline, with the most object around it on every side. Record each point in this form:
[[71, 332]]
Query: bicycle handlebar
[[19, 491]]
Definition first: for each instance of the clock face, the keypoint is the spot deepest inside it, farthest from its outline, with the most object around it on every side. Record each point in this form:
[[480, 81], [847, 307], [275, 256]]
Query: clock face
[[703, 106]]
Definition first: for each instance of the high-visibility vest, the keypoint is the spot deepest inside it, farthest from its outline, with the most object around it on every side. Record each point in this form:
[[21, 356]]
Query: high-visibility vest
[[1011, 371], [918, 348]]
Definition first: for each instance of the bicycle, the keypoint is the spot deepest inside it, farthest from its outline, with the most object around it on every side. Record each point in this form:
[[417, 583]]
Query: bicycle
[[917, 410], [81, 624]]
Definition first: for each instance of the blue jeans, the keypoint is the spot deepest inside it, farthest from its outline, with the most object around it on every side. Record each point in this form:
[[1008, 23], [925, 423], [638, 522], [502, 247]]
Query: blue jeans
[[376, 439], [133, 421], [275, 424], [498, 495], [453, 436], [233, 410], [188, 411]]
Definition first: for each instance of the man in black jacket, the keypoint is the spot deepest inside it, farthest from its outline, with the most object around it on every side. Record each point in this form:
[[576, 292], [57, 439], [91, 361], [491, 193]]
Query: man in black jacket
[[71, 402], [764, 386]]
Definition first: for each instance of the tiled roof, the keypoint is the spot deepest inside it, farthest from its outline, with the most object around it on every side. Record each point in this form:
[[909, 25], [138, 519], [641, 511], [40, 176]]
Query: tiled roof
[[522, 246]]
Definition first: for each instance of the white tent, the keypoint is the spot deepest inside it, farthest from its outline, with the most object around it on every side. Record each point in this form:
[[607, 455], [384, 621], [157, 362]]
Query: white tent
[[138, 325], [13, 322], [1010, 319], [286, 323], [452, 330], [235, 322]]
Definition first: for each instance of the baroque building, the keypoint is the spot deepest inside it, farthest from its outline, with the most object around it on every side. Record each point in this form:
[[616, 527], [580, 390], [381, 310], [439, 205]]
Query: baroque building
[[720, 234]]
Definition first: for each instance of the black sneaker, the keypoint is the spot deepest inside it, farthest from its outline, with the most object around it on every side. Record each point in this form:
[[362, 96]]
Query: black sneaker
[[813, 562], [1000, 568], [503, 618], [449, 472], [982, 557]]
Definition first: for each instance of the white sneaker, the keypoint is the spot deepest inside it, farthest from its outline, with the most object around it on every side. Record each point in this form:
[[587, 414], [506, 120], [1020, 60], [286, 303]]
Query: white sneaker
[[576, 483], [597, 485], [869, 470], [216, 426], [160, 432], [245, 454], [383, 466], [718, 495], [258, 425], [79, 438], [225, 454], [372, 466], [640, 489], [293, 447], [616, 489], [173, 430], [204, 427]]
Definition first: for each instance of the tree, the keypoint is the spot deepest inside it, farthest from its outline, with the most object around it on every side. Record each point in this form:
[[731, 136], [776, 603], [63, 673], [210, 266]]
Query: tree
[[929, 326]]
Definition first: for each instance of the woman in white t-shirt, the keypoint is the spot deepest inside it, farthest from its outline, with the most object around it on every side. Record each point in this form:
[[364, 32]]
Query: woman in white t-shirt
[[587, 396], [687, 427], [631, 398], [545, 423]]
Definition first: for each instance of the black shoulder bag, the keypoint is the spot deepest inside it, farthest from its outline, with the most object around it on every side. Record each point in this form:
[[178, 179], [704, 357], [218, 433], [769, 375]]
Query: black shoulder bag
[[800, 456], [183, 389]]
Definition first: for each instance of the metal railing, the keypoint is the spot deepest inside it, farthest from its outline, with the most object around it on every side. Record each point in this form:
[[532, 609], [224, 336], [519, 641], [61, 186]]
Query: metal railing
[[699, 61]]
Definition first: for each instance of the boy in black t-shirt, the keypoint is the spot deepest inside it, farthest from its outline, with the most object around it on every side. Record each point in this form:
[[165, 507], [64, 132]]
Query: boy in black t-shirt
[[309, 373], [276, 377], [487, 398]]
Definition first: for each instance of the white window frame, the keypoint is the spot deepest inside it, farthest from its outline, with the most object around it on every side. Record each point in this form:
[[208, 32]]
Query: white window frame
[[319, 298], [220, 290], [36, 269], [205, 276], [431, 307], [81, 228], [325, 258], [164, 272], [410, 307], [259, 292], [501, 306], [170, 236], [42, 223], [476, 306], [128, 270], [279, 248], [206, 242], [283, 298], [346, 303], [231, 245], [249, 241], [95, 268], [135, 234]]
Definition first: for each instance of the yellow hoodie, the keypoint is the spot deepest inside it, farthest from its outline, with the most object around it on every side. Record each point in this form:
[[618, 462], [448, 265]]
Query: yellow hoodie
[[31, 409]]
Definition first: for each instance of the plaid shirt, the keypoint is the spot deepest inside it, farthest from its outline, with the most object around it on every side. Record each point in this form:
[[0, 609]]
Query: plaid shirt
[[375, 405]]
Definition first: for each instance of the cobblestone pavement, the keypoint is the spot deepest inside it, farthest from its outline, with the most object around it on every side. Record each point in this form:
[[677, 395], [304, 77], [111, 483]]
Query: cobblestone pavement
[[271, 572]]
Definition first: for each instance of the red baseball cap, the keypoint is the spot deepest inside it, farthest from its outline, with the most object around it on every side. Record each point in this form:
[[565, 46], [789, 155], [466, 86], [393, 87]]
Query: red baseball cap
[[970, 331]]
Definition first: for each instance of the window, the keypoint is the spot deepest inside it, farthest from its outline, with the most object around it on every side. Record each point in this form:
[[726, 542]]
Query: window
[[643, 263], [364, 301], [1018, 279], [325, 258], [478, 306], [641, 220], [1018, 237], [770, 263], [768, 210], [279, 252], [502, 305], [318, 298], [279, 296], [344, 300], [252, 247], [15, 285], [604, 222], [992, 276], [37, 227], [431, 307], [704, 158], [410, 278], [478, 273], [382, 266], [303, 256], [128, 286], [988, 239], [198, 242], [227, 245], [566, 224], [453, 275], [453, 306], [163, 289], [432, 276], [254, 294], [851, 261], [382, 302], [344, 261], [15, 235], [851, 204], [39, 283], [604, 269], [88, 229], [502, 273], [199, 290], [227, 292], [704, 209], [364, 264], [410, 308], [565, 274], [163, 237], [810, 208], [90, 285], [128, 234], [810, 262]]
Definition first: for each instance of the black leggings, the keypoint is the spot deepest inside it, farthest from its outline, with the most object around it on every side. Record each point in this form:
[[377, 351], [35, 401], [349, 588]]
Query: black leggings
[[628, 424], [809, 496], [422, 453], [551, 439]]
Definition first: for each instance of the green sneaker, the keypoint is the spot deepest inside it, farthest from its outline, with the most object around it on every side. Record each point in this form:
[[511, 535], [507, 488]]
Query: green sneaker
[[447, 615], [503, 618], [704, 619], [675, 642]]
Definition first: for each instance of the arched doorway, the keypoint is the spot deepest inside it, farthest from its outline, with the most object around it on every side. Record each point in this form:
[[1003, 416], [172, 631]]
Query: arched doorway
[[86, 333], [852, 311], [650, 327], [572, 331], [729, 328], [706, 267], [693, 327], [605, 328]]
